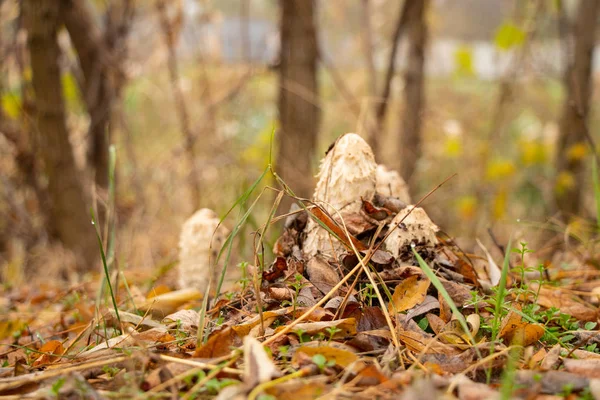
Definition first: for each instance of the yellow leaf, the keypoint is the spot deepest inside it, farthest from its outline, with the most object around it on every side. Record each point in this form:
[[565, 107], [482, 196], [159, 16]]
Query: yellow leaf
[[453, 147], [564, 181], [516, 331], [343, 358], [533, 152], [500, 169], [577, 151], [408, 294], [467, 206], [463, 61], [499, 207]]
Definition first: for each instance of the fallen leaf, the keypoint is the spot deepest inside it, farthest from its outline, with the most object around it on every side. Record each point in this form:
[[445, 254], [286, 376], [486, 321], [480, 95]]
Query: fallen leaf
[[435, 322], [430, 303], [219, 343], [276, 271], [371, 375], [516, 331], [322, 274], [183, 320], [567, 304], [53, 350], [589, 368], [258, 366], [408, 294], [346, 327], [492, 269], [343, 358]]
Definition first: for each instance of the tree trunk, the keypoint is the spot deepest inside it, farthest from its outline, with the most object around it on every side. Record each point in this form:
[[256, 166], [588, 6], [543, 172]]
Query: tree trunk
[[298, 96], [170, 31], [414, 96], [69, 219], [573, 123], [384, 100], [98, 94]]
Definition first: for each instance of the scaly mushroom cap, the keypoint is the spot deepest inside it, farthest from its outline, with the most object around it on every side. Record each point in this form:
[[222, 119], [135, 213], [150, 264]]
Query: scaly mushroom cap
[[416, 228], [196, 253], [391, 184], [347, 174]]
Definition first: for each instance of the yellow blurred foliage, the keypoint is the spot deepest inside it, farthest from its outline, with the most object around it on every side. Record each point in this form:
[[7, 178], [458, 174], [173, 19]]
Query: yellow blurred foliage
[[257, 154], [577, 151], [564, 181], [11, 105], [500, 169], [533, 152], [499, 206], [467, 206], [453, 147]]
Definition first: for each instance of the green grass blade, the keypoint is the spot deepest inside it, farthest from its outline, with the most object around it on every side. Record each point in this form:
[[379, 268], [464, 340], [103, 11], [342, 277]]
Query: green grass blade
[[105, 265], [442, 290], [500, 296]]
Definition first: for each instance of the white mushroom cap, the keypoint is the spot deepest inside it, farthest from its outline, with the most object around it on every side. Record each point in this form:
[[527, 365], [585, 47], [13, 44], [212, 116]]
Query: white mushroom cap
[[416, 228], [199, 245], [390, 183], [346, 175]]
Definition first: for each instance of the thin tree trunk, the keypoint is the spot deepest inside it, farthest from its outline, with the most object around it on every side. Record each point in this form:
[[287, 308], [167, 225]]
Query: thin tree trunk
[[98, 94], [414, 96], [169, 35], [69, 219], [298, 94], [573, 123], [383, 101], [367, 44]]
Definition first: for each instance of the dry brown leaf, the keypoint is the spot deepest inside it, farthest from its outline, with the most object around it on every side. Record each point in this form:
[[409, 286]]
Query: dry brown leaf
[[420, 344], [460, 293], [551, 381], [453, 333], [567, 304], [167, 303], [371, 375], [552, 359], [183, 320], [408, 293], [469, 390], [300, 389], [346, 327], [430, 303], [219, 344], [258, 366], [321, 274], [53, 349], [269, 317], [435, 322], [516, 331], [589, 368], [343, 358]]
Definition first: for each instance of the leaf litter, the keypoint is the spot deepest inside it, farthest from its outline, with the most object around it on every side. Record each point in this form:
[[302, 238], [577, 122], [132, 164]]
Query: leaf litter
[[364, 298]]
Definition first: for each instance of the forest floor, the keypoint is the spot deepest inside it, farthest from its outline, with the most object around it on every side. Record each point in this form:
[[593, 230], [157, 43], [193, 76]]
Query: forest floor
[[399, 312]]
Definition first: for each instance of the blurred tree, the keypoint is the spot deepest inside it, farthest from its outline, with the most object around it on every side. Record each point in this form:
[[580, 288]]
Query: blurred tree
[[68, 220], [96, 53], [171, 27], [414, 96], [298, 95], [384, 100], [573, 124], [97, 92]]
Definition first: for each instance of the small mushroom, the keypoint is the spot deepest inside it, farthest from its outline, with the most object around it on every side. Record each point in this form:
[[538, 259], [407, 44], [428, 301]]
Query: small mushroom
[[346, 176], [199, 245], [416, 228]]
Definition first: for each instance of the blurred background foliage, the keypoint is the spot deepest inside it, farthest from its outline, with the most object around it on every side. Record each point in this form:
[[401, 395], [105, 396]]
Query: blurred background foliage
[[493, 86]]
